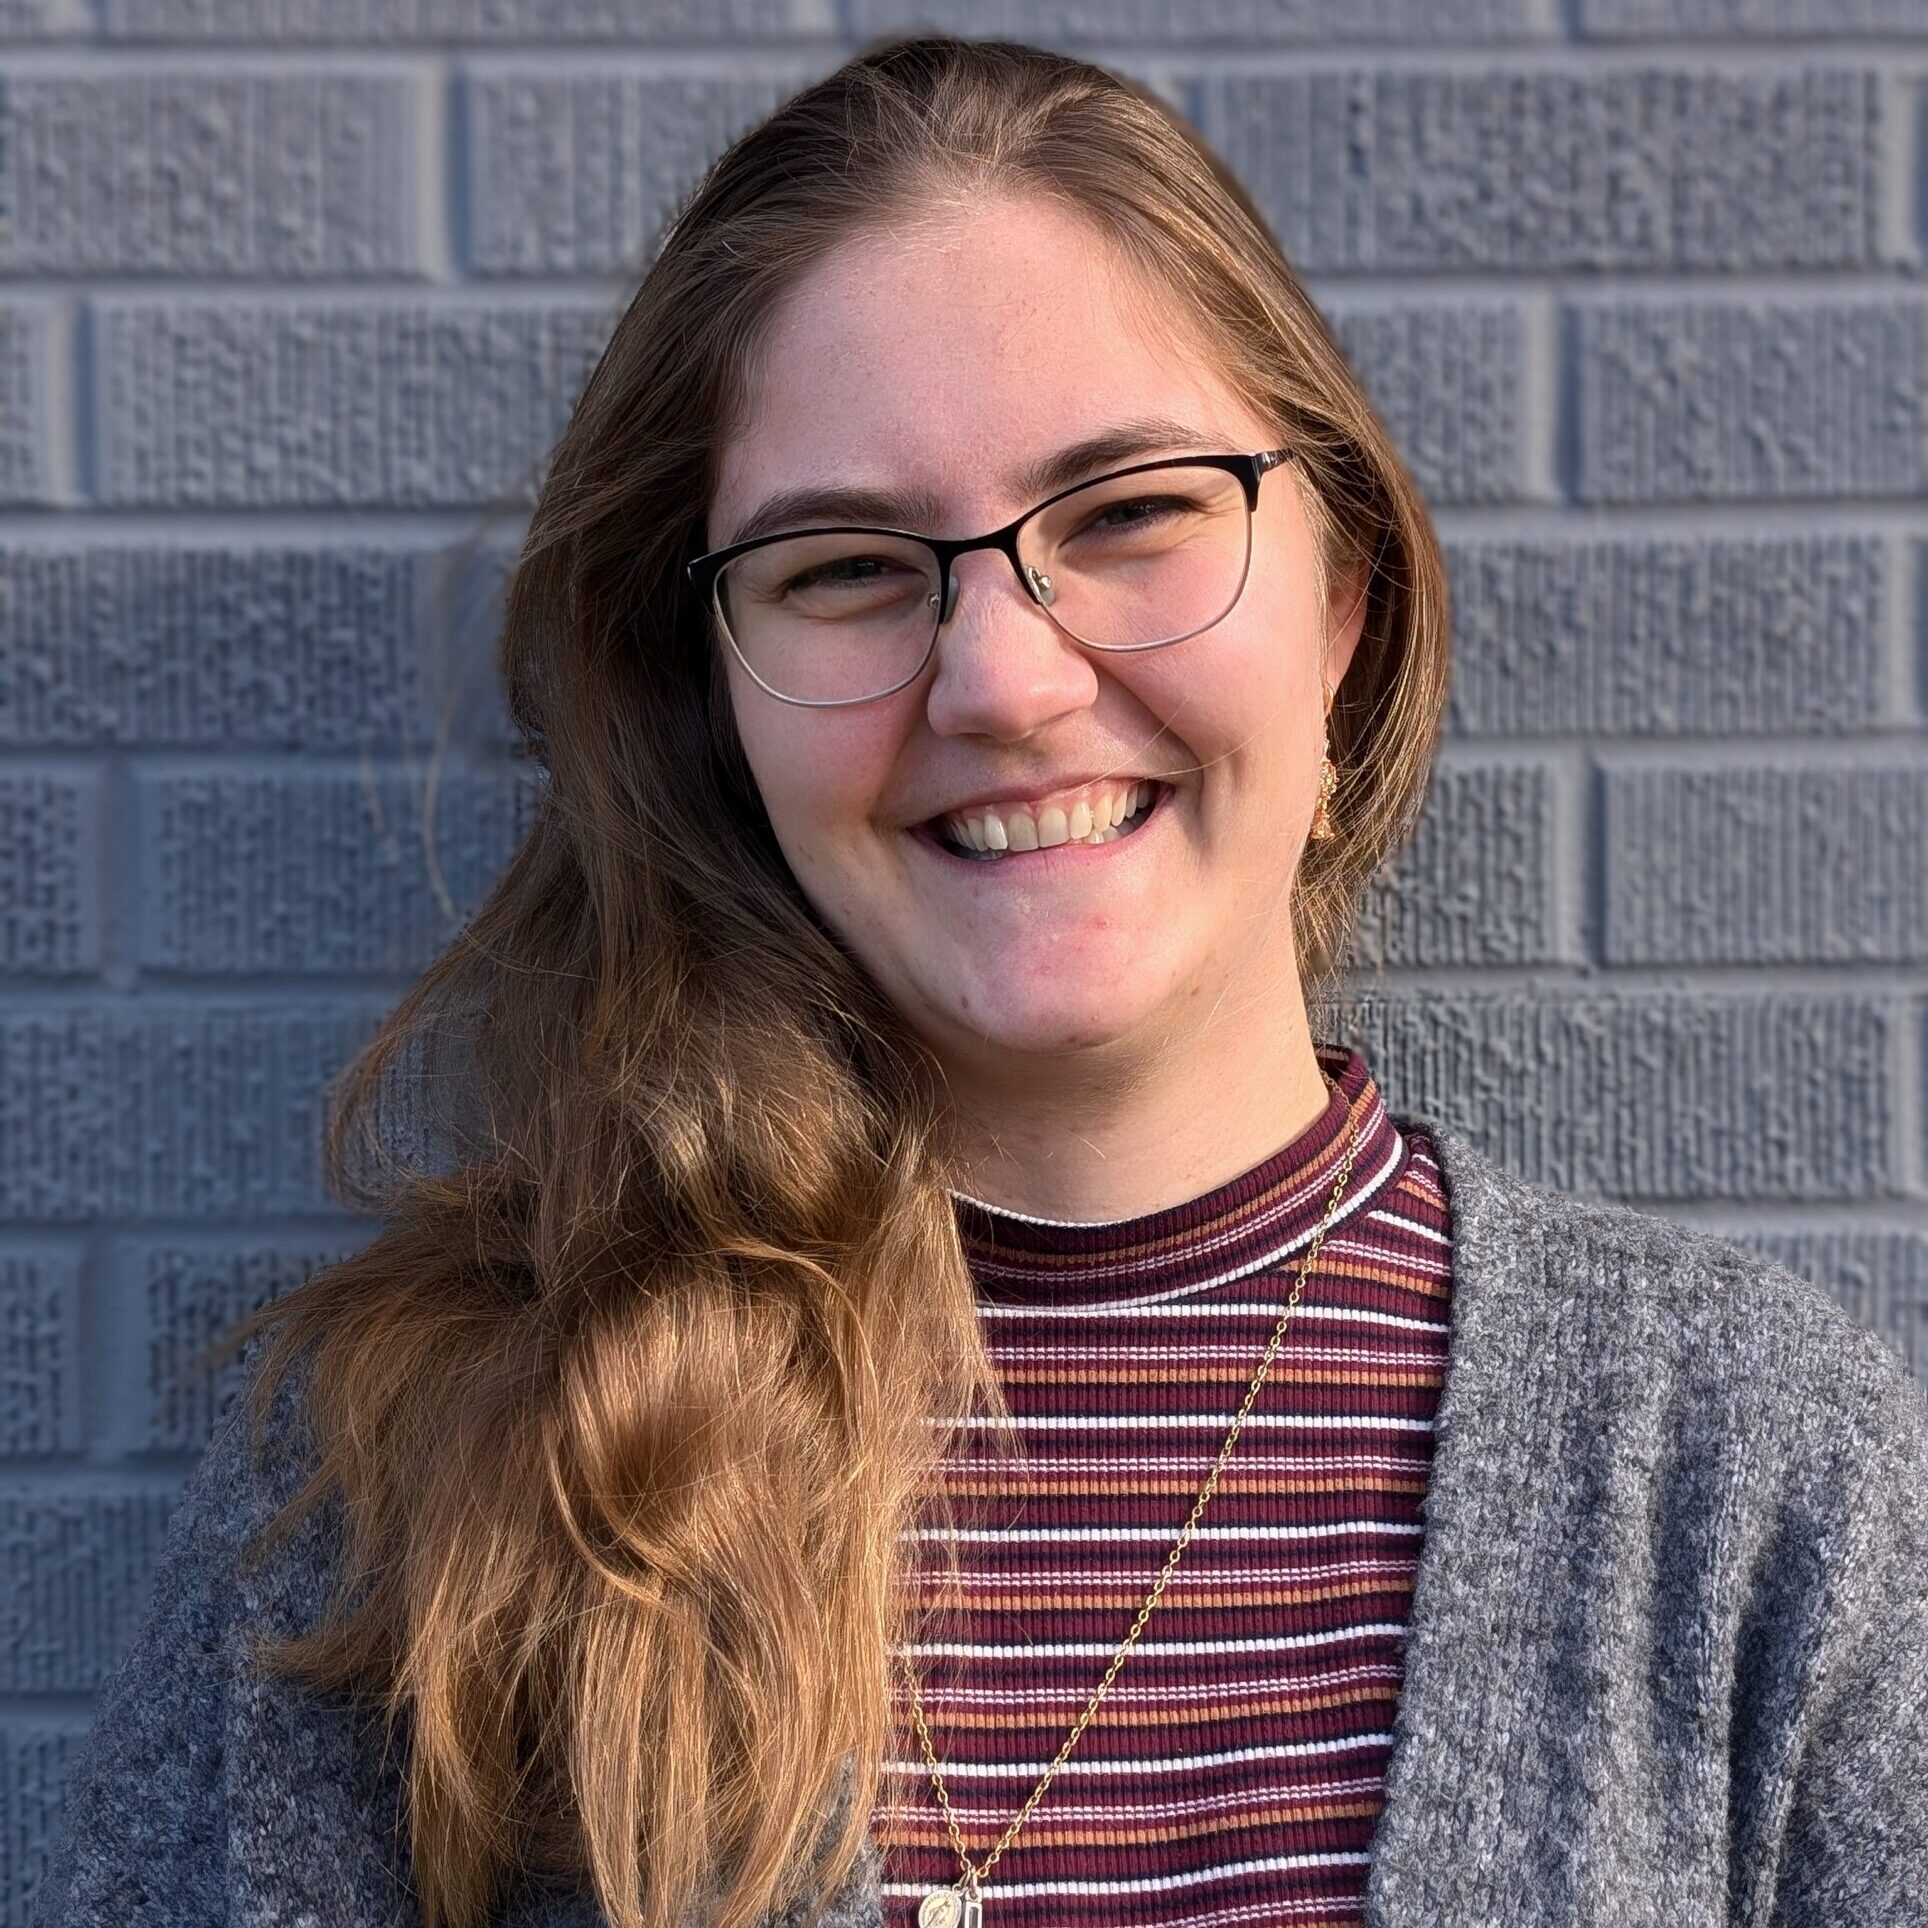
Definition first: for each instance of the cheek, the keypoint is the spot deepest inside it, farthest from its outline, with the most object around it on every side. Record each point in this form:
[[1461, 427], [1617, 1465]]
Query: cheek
[[820, 774]]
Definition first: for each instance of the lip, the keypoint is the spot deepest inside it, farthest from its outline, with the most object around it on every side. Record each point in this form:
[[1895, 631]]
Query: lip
[[1072, 850], [1059, 793]]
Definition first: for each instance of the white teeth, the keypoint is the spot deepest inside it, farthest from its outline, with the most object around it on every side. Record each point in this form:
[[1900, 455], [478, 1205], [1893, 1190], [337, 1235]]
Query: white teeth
[[1097, 817]]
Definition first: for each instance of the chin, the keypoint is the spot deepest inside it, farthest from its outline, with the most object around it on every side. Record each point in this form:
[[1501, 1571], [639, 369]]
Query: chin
[[1048, 1028]]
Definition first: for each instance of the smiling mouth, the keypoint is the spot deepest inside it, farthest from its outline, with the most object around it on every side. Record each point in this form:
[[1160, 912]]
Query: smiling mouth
[[1050, 829]]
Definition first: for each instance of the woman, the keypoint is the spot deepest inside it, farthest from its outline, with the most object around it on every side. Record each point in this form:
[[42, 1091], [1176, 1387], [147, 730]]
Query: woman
[[900, 1014]]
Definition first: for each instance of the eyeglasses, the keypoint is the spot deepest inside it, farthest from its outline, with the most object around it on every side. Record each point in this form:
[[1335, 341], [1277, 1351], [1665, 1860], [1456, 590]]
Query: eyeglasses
[[1136, 559]]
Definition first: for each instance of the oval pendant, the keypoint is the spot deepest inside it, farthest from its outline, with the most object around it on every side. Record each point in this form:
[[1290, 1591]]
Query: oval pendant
[[944, 1909]]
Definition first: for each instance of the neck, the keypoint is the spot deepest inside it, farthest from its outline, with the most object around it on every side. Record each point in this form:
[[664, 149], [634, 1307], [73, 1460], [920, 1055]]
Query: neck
[[1083, 1140]]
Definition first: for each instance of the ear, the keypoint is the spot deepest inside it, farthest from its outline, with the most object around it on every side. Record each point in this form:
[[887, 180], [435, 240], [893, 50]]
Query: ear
[[1346, 621]]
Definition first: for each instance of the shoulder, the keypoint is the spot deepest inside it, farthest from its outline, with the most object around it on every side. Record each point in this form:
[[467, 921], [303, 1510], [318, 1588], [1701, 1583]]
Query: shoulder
[[1688, 1309]]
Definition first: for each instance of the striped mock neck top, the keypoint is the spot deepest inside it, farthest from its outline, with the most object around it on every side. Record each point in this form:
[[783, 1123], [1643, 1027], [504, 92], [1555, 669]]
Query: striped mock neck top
[[1234, 1773]]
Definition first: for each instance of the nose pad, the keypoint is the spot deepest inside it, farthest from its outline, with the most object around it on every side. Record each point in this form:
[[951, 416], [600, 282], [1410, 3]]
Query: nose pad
[[1040, 585]]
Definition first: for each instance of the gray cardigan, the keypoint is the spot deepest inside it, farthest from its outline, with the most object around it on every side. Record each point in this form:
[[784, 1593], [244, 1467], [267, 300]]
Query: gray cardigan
[[1667, 1662]]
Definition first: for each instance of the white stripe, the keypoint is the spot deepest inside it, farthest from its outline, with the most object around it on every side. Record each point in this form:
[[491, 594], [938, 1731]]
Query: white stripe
[[1045, 1352], [1097, 1650], [1179, 1422], [1187, 1464], [1219, 1309], [1230, 1870], [1061, 1535], [1095, 1765], [1385, 1215]]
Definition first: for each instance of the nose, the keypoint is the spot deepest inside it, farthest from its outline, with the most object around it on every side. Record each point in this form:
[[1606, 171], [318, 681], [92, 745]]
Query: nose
[[1004, 668]]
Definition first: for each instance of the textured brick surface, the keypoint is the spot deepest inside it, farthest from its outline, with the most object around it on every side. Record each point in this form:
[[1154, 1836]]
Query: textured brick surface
[[186, 644], [218, 172], [369, 870], [1694, 401], [40, 1410], [239, 403], [1238, 21], [542, 22], [1818, 864], [192, 1296], [1449, 379], [74, 1574], [26, 473], [1410, 169], [574, 173], [1881, 1277], [1654, 1096], [31, 20], [1480, 882], [1740, 18], [35, 1756], [49, 863], [193, 1111], [1646, 636]]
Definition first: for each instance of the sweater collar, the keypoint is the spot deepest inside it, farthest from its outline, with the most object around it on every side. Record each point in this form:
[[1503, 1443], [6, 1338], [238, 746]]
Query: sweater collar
[[1243, 1225]]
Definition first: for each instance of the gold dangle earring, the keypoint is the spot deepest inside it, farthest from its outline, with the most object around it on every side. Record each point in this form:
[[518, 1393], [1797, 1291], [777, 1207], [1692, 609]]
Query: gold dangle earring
[[1322, 825]]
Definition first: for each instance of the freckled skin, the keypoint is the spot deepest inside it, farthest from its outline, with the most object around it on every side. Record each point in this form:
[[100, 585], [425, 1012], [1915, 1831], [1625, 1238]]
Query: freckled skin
[[1113, 1032]]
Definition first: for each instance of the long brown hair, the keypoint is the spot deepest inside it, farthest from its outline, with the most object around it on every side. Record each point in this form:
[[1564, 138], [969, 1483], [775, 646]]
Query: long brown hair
[[628, 1402]]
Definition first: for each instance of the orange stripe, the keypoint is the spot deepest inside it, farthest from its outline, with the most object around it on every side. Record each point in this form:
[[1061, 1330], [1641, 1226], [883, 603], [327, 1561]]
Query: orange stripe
[[1112, 1839]]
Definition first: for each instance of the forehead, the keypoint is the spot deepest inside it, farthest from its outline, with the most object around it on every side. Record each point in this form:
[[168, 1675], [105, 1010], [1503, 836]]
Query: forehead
[[946, 353]]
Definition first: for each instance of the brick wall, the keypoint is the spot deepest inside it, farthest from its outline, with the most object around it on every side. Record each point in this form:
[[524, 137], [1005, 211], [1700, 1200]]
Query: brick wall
[[294, 293]]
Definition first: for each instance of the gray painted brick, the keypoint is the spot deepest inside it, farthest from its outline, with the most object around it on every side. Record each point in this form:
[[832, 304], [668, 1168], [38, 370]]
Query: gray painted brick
[[1810, 863], [215, 172], [1402, 170], [35, 1759], [1881, 1277], [1657, 19], [32, 20], [325, 872], [1645, 636], [1449, 380], [264, 404], [39, 1367], [576, 172], [1249, 22], [193, 1295], [75, 1571], [1479, 882], [1649, 1095], [203, 1112], [49, 863], [26, 426], [233, 647], [1690, 401], [348, 22]]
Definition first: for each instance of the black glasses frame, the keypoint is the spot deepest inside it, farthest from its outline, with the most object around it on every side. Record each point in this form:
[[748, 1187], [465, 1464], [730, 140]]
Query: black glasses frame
[[704, 570]]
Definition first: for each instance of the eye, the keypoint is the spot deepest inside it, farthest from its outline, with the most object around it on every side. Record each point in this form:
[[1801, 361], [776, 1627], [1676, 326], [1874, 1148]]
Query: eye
[[841, 569]]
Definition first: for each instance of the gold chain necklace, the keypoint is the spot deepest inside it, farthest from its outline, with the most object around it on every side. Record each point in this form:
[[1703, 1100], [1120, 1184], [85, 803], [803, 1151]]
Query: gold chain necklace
[[961, 1905]]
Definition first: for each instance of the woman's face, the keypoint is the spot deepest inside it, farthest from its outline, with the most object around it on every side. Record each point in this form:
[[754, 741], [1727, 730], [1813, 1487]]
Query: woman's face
[[944, 358]]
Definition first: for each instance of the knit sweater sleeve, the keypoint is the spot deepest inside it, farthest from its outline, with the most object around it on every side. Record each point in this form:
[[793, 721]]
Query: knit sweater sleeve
[[143, 1837], [1856, 1841]]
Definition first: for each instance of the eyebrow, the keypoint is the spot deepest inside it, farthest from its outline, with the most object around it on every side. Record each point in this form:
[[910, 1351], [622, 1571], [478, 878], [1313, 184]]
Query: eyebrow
[[917, 510]]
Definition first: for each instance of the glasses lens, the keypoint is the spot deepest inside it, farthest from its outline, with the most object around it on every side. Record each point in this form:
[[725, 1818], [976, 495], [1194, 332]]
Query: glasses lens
[[1134, 560], [831, 618]]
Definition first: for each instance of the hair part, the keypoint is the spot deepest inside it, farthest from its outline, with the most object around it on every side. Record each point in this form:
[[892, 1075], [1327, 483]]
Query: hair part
[[626, 1406]]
